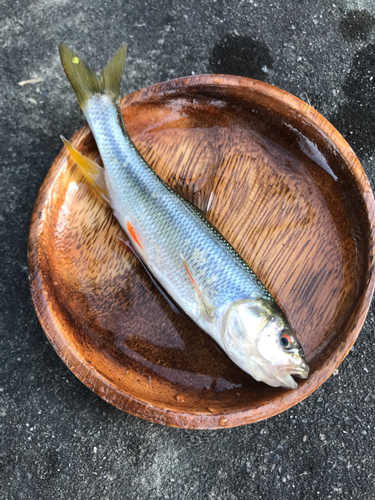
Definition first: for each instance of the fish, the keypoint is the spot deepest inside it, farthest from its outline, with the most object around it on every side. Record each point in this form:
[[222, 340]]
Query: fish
[[190, 259]]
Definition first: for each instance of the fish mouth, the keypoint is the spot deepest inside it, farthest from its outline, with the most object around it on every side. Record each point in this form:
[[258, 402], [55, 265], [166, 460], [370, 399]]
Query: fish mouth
[[286, 379], [302, 373], [275, 378], [280, 376]]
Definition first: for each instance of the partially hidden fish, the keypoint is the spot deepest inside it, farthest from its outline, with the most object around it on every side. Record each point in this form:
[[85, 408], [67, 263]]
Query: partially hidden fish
[[190, 259]]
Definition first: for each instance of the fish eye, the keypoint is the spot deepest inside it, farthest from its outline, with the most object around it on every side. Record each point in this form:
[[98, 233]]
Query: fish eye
[[286, 341]]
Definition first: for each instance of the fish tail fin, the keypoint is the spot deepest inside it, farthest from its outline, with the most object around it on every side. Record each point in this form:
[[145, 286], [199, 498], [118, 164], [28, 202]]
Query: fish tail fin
[[85, 82]]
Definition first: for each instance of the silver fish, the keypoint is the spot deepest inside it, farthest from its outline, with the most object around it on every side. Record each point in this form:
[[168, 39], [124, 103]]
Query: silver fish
[[190, 259]]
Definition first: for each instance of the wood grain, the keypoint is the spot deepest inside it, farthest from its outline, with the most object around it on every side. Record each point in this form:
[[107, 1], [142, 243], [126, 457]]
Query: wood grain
[[282, 186]]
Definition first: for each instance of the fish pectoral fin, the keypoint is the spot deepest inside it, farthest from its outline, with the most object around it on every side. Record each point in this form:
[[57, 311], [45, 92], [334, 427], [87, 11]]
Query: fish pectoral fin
[[94, 174], [205, 308]]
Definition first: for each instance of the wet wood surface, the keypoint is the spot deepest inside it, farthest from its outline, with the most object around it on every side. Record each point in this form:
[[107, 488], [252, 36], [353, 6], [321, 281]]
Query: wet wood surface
[[281, 185]]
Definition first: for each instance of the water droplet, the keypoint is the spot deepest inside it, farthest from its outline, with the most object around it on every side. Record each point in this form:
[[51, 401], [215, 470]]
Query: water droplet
[[223, 421], [149, 380], [180, 398]]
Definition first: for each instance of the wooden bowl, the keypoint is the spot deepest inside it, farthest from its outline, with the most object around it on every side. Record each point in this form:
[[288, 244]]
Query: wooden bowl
[[287, 192]]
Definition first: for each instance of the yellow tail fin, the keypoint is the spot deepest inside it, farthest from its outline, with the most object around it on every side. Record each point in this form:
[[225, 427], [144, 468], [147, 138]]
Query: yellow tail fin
[[85, 82]]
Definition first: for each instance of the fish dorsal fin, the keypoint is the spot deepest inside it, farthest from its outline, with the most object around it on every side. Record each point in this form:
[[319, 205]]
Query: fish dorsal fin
[[205, 308], [94, 174]]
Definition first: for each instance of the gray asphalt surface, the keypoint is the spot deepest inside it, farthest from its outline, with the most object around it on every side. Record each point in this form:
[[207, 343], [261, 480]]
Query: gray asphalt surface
[[59, 440]]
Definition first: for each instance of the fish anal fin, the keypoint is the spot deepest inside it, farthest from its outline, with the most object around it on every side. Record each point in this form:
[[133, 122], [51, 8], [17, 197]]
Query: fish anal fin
[[172, 305], [205, 308], [93, 173]]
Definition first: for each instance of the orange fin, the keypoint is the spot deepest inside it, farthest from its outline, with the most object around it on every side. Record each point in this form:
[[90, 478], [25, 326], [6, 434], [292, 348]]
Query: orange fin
[[134, 235], [205, 307], [94, 174]]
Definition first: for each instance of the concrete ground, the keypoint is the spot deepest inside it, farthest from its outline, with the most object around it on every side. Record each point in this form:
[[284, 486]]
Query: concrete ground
[[59, 440]]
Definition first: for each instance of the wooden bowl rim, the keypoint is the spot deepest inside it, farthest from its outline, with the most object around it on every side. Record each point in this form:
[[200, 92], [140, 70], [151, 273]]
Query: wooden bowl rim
[[95, 380]]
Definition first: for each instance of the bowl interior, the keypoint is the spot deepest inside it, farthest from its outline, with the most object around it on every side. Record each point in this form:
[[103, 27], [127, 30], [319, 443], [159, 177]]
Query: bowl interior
[[278, 188]]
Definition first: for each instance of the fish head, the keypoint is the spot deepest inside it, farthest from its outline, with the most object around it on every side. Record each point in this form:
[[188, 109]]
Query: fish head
[[258, 338]]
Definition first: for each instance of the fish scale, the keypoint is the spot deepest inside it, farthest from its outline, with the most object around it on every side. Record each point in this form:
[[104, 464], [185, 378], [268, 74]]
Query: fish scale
[[160, 215], [190, 259]]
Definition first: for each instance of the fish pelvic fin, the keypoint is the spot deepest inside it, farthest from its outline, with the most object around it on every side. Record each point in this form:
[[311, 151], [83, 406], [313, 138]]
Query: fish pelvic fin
[[85, 82], [93, 173], [134, 234]]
